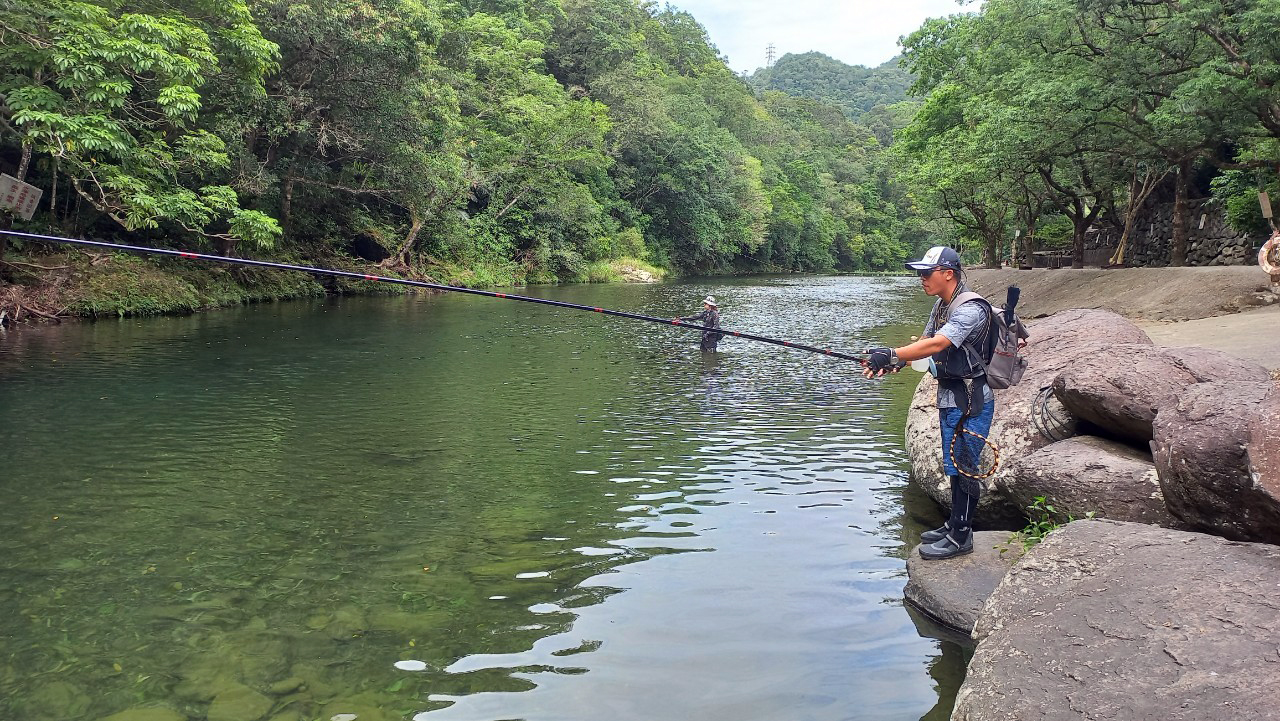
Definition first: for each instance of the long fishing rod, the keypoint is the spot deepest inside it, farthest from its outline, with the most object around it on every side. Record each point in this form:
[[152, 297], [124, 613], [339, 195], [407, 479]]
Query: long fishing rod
[[424, 284]]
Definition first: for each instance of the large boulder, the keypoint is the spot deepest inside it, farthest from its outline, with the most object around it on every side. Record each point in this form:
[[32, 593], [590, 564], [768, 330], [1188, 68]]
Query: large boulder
[[1056, 343], [1085, 325], [1088, 474], [1111, 620], [1200, 449], [1263, 449], [1121, 389], [952, 592]]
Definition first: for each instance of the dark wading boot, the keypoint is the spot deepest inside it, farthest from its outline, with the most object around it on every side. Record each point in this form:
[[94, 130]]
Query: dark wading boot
[[959, 540], [941, 532], [947, 548], [936, 534]]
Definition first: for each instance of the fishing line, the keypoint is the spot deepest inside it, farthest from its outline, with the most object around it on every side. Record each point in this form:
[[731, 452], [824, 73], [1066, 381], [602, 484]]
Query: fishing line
[[423, 284]]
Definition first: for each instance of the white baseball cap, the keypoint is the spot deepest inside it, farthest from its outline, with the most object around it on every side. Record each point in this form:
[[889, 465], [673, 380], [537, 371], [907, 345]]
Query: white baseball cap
[[939, 256]]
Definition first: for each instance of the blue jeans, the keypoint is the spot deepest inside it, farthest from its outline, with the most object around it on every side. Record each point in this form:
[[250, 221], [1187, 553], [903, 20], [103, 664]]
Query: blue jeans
[[968, 449]]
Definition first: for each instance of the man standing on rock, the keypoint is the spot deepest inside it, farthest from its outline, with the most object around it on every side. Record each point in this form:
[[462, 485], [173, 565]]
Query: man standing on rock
[[954, 338]]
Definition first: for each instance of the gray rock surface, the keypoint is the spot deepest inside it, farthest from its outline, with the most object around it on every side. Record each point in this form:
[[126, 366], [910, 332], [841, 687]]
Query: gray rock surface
[[1090, 474], [1122, 388], [951, 592], [1111, 620], [1263, 448], [1056, 343], [1200, 453]]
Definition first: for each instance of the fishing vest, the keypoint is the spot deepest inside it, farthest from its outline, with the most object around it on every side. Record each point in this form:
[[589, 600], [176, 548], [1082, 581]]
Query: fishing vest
[[969, 359]]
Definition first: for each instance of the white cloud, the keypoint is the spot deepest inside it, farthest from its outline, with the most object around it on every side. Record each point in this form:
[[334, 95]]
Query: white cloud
[[858, 32]]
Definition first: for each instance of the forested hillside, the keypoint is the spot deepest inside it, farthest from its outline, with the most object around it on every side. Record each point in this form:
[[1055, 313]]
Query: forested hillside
[[856, 89], [489, 141]]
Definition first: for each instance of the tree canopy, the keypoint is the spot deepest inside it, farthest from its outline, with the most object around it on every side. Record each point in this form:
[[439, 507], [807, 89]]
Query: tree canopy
[[1081, 109], [493, 140]]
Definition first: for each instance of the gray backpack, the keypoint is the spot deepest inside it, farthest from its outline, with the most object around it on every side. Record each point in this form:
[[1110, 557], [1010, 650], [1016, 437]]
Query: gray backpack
[[1000, 351]]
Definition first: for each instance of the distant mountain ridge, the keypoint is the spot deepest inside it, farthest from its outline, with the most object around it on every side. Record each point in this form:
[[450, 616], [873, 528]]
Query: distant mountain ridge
[[855, 89]]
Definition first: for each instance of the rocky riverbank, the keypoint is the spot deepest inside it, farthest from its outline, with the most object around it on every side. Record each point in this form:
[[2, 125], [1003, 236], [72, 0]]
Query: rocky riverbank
[[1165, 608]]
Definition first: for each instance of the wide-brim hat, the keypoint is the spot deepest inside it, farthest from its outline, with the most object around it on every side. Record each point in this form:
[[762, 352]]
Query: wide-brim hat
[[711, 301], [939, 256]]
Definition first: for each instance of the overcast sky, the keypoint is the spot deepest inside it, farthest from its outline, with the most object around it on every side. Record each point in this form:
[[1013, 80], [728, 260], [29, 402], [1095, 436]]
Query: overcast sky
[[858, 32]]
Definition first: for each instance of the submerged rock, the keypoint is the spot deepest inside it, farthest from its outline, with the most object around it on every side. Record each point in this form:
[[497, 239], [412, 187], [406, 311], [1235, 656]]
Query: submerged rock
[[1200, 446], [348, 622], [1088, 474], [360, 709], [288, 685], [52, 701], [1111, 620], [146, 714], [951, 592], [239, 703]]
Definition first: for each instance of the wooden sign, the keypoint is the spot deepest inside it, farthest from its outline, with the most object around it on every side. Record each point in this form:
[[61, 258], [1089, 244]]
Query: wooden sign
[[21, 197], [1265, 202]]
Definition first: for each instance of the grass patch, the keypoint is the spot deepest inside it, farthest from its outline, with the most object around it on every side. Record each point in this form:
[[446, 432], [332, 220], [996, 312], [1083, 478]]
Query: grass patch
[[129, 285], [1042, 520]]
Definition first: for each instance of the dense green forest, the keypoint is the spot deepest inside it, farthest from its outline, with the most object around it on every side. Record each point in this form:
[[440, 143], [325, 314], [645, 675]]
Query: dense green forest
[[1059, 115], [482, 141]]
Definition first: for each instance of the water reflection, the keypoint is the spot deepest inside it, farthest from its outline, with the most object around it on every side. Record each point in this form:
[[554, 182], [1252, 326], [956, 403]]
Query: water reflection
[[551, 516]]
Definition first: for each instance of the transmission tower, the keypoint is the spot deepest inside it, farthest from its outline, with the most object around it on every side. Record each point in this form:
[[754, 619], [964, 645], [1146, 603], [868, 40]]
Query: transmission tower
[[769, 54]]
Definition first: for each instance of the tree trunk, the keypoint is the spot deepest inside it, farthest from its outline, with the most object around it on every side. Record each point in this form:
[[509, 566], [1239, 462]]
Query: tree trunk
[[1081, 220], [1136, 197], [24, 163], [53, 194], [1029, 246], [402, 255], [286, 203], [991, 250], [1080, 224], [1178, 255]]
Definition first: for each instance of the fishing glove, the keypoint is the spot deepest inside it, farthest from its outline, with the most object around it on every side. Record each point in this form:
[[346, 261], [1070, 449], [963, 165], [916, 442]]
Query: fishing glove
[[879, 359]]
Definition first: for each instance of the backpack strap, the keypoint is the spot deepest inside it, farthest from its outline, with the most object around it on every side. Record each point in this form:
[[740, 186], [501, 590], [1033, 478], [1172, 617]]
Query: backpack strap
[[960, 300], [990, 333]]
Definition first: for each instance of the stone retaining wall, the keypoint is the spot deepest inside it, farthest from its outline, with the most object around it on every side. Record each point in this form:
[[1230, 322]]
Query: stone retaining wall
[[1210, 241]]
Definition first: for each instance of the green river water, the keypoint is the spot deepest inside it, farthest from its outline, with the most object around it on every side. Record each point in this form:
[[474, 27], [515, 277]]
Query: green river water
[[257, 513]]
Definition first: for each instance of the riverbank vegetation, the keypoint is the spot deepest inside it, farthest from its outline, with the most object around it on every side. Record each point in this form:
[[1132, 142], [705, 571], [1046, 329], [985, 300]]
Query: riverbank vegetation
[[1075, 112], [479, 142]]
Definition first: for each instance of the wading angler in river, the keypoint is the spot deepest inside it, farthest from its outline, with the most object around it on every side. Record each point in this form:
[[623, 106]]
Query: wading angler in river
[[709, 317]]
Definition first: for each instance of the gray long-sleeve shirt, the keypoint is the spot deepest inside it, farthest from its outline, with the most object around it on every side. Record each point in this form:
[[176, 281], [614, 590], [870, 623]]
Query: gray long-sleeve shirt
[[710, 318]]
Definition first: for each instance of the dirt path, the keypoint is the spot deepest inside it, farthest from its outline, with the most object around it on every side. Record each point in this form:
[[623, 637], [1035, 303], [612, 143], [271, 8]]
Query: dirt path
[[1253, 334], [1233, 309]]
